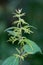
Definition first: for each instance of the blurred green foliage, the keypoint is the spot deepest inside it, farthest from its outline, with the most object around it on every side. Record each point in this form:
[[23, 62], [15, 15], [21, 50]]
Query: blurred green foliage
[[34, 15]]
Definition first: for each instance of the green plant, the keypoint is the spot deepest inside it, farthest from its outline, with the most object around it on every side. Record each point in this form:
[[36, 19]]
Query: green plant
[[26, 46]]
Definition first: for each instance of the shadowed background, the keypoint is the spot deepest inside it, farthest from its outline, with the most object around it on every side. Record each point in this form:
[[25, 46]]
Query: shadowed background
[[34, 16]]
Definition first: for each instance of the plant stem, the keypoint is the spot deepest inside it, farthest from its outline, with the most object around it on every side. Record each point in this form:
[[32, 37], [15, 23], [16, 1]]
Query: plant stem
[[20, 39], [20, 61]]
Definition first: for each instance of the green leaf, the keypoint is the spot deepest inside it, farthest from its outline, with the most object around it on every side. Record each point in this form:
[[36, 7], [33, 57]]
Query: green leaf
[[15, 22], [27, 30], [31, 47], [19, 11], [12, 39], [9, 28], [23, 21], [29, 26], [13, 60], [12, 28], [11, 32]]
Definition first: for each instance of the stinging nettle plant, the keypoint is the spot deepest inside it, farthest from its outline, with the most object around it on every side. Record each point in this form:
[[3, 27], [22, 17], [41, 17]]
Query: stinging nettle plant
[[26, 46]]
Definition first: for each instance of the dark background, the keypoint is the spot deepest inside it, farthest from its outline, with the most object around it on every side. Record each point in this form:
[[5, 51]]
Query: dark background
[[34, 16]]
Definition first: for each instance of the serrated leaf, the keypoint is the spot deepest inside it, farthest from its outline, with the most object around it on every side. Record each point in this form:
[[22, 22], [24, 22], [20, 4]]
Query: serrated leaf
[[31, 47], [13, 60]]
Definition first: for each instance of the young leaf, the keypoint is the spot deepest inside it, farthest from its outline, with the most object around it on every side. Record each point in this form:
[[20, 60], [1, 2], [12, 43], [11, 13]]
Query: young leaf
[[31, 47], [29, 26], [12, 39], [15, 22], [19, 11], [13, 60], [9, 28], [11, 32], [27, 30], [14, 33], [23, 21]]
